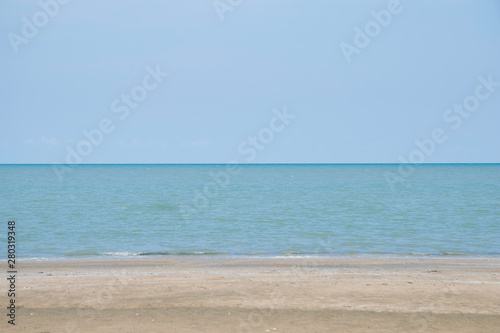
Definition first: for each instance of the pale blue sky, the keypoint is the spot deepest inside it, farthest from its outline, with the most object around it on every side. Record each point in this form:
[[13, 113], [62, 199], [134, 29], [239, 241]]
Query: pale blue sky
[[227, 76]]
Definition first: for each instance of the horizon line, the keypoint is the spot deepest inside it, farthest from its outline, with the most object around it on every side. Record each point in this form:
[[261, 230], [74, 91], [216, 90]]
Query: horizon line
[[271, 163]]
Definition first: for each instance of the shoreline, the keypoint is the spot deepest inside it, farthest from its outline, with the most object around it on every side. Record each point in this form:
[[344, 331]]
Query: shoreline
[[259, 256], [207, 294]]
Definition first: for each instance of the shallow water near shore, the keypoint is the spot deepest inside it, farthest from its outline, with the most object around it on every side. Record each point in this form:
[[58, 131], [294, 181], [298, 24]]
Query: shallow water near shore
[[252, 210]]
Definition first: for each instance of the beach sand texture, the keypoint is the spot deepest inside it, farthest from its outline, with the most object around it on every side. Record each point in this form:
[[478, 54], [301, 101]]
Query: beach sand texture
[[209, 294]]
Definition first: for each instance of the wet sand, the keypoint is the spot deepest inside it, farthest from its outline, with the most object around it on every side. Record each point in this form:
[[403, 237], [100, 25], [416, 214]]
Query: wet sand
[[209, 294]]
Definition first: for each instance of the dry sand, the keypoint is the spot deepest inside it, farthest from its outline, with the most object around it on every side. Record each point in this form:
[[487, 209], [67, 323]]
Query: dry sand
[[206, 294]]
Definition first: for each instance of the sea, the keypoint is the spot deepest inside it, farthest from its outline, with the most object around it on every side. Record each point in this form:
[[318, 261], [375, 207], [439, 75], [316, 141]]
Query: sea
[[267, 210]]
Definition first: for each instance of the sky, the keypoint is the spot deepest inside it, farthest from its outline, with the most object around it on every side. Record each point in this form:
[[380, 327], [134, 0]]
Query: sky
[[260, 81]]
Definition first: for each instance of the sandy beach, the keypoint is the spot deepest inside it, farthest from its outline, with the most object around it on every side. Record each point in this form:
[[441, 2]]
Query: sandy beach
[[209, 294]]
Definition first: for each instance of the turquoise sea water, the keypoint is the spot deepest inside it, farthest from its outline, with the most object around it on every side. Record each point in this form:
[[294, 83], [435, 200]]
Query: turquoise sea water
[[266, 210]]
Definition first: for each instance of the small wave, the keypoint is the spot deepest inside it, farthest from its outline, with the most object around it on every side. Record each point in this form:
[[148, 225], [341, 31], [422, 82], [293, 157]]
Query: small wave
[[256, 254], [126, 254], [182, 253], [453, 253], [81, 253], [289, 253], [152, 253]]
